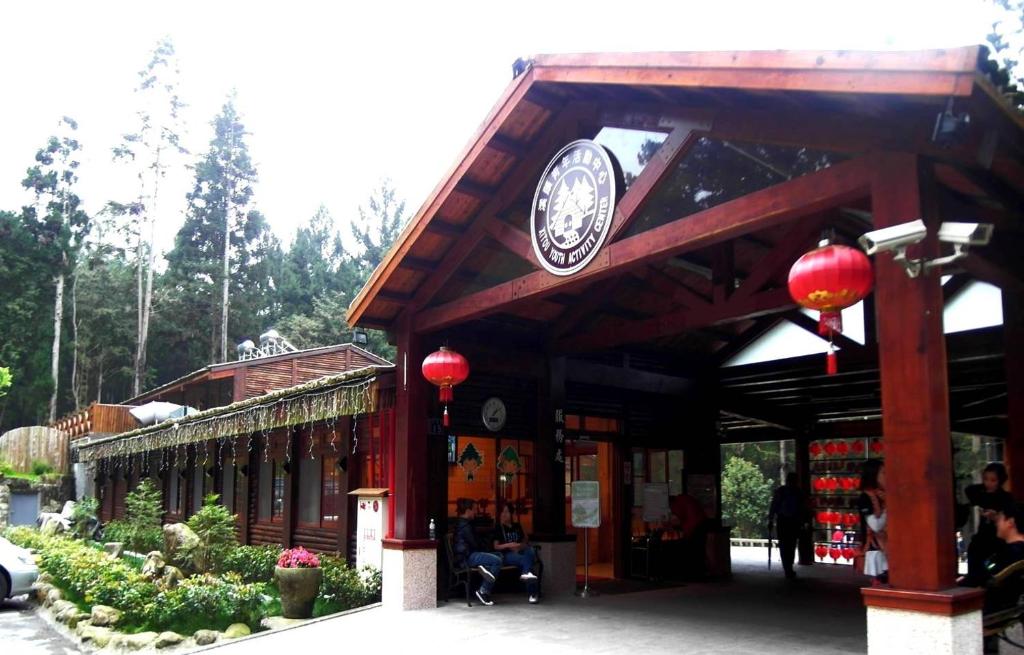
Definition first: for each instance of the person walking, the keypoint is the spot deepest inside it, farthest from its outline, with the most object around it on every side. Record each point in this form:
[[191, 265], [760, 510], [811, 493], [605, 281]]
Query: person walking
[[787, 513]]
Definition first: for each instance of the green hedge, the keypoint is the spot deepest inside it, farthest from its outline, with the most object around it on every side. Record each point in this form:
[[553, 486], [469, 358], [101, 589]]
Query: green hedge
[[343, 588], [252, 563]]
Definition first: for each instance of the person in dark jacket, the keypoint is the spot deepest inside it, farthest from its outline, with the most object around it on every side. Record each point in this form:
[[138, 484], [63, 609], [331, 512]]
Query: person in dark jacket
[[469, 552], [512, 543], [789, 508], [989, 497]]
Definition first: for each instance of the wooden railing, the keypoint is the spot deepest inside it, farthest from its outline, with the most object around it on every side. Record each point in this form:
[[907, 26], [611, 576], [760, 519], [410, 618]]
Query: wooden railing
[[97, 419]]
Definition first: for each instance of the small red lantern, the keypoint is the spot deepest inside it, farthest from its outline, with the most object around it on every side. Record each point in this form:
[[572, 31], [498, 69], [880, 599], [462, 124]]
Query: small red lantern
[[850, 520], [858, 447], [445, 369], [823, 517], [830, 448], [876, 446], [842, 448], [821, 550], [819, 484], [835, 552], [815, 449], [829, 279], [831, 484], [847, 553]]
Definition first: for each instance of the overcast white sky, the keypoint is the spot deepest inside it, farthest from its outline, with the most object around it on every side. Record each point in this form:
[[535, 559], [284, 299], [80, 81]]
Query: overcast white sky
[[337, 95]]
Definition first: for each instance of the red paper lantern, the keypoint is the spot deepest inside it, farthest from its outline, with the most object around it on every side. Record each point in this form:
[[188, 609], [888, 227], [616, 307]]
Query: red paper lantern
[[821, 551], [831, 484], [848, 553], [850, 520], [842, 448], [830, 448], [835, 552], [837, 535], [819, 484], [815, 449], [858, 446], [823, 517], [445, 369], [876, 446], [829, 279]]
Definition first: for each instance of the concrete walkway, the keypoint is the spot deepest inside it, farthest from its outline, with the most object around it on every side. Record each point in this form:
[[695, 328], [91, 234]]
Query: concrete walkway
[[756, 612], [23, 632]]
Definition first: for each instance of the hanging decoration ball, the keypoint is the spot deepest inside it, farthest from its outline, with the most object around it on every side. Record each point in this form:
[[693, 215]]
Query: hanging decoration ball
[[858, 447], [876, 446], [821, 550], [823, 517], [819, 484], [850, 520], [842, 448], [835, 552], [815, 449], [848, 553], [830, 449], [445, 369], [829, 279]]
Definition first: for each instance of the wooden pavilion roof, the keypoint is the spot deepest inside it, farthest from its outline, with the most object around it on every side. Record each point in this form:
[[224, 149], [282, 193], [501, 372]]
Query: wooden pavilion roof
[[471, 233]]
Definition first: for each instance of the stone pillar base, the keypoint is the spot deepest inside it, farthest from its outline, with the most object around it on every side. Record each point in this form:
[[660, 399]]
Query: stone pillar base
[[559, 559], [409, 571], [927, 623]]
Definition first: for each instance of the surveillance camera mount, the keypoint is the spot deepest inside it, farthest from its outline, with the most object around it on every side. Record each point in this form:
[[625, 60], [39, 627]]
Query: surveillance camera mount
[[914, 267]]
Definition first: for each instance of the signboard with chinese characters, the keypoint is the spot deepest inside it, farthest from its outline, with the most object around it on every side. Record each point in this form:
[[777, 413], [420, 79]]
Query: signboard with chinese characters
[[371, 514], [559, 435], [573, 207], [656, 502], [586, 504]]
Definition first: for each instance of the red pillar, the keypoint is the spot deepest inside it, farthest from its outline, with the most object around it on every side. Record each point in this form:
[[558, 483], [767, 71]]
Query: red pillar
[[411, 453], [915, 393], [1013, 331]]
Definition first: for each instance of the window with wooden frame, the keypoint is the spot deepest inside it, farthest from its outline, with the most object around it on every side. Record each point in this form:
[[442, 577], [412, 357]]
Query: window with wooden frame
[[375, 435], [270, 500], [321, 499]]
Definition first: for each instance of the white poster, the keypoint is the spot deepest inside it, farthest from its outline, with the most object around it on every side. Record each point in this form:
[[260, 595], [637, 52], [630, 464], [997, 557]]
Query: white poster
[[656, 501], [586, 504]]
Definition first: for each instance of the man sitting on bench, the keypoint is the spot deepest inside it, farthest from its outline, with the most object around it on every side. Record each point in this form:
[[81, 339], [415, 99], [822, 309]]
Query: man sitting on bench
[[511, 542], [1010, 550], [469, 552]]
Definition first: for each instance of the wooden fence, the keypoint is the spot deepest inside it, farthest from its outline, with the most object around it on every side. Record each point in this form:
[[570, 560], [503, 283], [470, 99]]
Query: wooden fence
[[22, 446]]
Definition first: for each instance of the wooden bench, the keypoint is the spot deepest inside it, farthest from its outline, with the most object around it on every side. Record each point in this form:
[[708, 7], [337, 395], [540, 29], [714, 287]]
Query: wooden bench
[[463, 576], [996, 623]]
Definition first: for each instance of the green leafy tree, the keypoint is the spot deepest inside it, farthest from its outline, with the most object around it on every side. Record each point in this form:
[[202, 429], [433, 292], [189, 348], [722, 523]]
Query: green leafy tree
[[745, 498], [152, 148], [143, 510], [60, 222], [5, 380], [1007, 45], [377, 228], [215, 527]]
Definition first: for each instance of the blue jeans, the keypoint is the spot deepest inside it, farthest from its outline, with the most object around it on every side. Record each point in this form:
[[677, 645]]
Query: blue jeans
[[491, 562], [524, 559]]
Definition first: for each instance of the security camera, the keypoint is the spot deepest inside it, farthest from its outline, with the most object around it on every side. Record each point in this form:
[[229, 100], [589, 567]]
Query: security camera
[[896, 237], [966, 234]]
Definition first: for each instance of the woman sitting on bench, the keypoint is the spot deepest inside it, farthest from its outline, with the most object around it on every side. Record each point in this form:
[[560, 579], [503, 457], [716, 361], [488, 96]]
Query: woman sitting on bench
[[511, 542]]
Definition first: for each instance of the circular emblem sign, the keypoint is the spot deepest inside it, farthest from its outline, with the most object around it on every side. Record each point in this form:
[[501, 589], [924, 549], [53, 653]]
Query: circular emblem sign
[[572, 209]]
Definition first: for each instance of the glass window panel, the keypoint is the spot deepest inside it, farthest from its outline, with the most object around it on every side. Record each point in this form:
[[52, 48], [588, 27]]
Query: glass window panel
[[309, 490], [227, 493], [174, 495], [331, 499], [265, 484], [277, 502], [197, 487], [658, 466], [675, 472]]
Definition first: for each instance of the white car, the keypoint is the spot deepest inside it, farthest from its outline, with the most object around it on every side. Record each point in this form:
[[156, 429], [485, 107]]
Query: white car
[[17, 570]]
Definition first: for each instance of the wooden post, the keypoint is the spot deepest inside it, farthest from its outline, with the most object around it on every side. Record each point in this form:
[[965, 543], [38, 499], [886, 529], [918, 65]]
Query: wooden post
[[549, 519], [411, 483], [242, 500], [1013, 333], [915, 390], [291, 486]]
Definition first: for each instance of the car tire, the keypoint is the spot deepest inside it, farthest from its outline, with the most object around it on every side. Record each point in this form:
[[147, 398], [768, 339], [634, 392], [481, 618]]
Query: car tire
[[5, 588]]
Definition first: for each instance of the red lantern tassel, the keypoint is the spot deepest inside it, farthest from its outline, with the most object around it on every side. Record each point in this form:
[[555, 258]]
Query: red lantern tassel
[[445, 417], [831, 365], [829, 322]]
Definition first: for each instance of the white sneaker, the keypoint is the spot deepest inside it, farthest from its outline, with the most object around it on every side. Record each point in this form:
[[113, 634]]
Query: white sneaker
[[484, 598], [484, 572], [526, 577], [534, 599]]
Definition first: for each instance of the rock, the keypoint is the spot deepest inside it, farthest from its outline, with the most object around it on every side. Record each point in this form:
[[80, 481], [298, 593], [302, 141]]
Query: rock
[[165, 639], [105, 615], [52, 596], [153, 567], [42, 591], [44, 578], [139, 640], [278, 622], [236, 630], [97, 635], [206, 637], [114, 549], [172, 576], [82, 626], [76, 618], [63, 609], [176, 537]]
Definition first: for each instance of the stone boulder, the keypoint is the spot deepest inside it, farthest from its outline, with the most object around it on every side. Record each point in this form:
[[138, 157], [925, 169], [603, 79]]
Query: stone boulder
[[52, 596], [136, 641], [104, 615], [153, 566], [206, 637], [278, 622], [236, 630], [42, 591], [165, 639], [172, 576], [63, 610], [44, 578], [77, 618], [114, 549], [178, 536], [99, 636]]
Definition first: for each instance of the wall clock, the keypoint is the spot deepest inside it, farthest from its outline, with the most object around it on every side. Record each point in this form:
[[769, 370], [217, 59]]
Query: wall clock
[[494, 414]]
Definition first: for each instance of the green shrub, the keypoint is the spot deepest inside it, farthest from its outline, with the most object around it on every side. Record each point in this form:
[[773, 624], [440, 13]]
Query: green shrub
[[142, 525], [85, 511], [39, 467], [215, 527], [207, 601], [26, 537], [5, 467], [344, 588], [252, 563]]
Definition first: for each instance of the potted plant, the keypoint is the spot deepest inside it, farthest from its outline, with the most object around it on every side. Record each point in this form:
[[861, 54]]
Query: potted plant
[[298, 577]]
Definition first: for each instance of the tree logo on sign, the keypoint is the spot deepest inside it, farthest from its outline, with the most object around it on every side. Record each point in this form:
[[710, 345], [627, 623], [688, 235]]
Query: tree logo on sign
[[573, 206]]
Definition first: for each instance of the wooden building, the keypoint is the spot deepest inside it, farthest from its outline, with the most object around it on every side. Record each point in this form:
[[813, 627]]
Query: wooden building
[[605, 348]]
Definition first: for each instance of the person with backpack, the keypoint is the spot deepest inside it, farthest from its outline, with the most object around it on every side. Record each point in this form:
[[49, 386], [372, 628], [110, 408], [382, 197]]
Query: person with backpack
[[787, 512]]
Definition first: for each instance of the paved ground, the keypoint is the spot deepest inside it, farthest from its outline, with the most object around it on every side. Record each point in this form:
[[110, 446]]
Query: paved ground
[[24, 633], [756, 613]]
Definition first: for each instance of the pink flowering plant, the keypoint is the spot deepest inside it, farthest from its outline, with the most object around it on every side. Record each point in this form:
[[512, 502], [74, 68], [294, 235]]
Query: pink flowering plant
[[298, 558]]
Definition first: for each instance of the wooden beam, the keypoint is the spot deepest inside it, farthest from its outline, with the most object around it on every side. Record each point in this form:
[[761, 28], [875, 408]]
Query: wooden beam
[[617, 333], [508, 146], [795, 242], [723, 272], [626, 378], [514, 239], [445, 229], [983, 268], [673, 289], [669, 153], [394, 296], [737, 344], [417, 264], [807, 323], [800, 196]]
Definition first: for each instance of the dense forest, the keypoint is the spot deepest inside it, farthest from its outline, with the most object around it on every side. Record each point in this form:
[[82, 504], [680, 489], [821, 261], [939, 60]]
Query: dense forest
[[93, 308]]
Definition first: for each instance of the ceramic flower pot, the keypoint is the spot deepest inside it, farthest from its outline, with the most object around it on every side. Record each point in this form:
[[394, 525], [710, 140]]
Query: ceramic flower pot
[[298, 589]]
